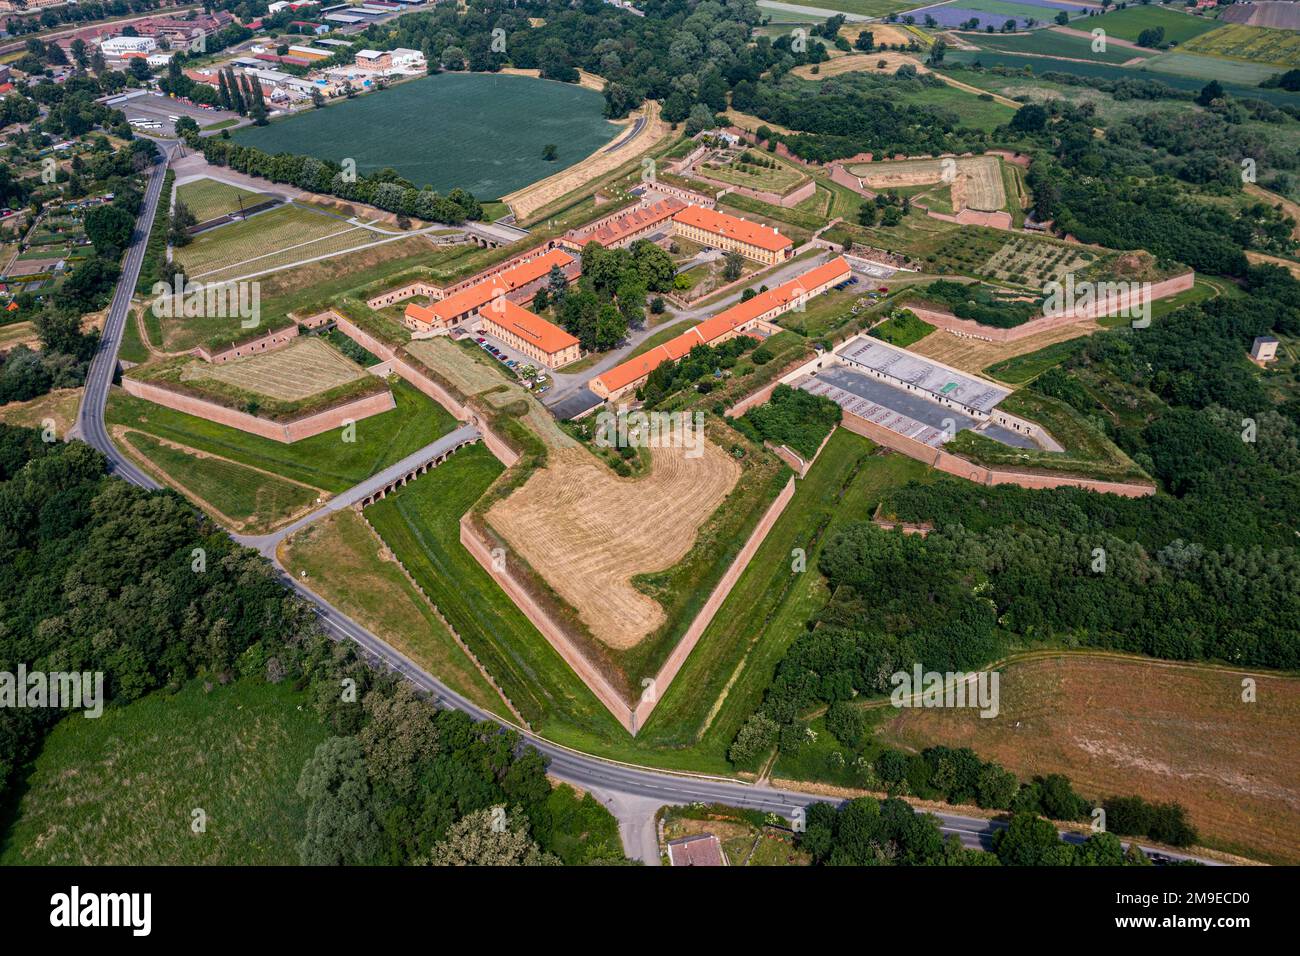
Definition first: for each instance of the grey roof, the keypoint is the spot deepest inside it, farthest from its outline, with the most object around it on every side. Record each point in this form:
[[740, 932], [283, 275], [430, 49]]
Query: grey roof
[[926, 375]]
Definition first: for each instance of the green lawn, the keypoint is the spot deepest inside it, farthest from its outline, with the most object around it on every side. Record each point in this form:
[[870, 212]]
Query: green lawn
[[323, 461], [1052, 43], [121, 789], [208, 198], [1129, 23], [421, 524], [1088, 452], [902, 330], [244, 494]]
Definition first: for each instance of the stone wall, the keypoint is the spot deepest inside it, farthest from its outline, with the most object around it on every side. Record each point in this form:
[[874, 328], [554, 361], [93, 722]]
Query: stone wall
[[946, 320], [266, 343], [951, 464], [286, 432], [500, 449]]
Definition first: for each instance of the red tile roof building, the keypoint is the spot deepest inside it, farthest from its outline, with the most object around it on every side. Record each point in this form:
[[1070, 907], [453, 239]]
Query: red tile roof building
[[518, 281], [751, 239], [702, 849], [540, 340], [625, 228], [754, 315]]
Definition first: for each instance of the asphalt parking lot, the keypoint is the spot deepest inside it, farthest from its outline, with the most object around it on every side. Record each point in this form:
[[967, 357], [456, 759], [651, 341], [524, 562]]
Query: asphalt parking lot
[[161, 108]]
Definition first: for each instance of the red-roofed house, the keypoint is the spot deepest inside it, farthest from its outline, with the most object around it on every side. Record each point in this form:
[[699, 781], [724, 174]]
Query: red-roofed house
[[519, 281], [625, 228], [702, 849], [744, 318], [751, 239], [540, 340]]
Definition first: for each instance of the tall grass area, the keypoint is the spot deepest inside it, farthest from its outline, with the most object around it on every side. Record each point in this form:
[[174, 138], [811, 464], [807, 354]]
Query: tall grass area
[[121, 789], [239, 493], [322, 461], [155, 250]]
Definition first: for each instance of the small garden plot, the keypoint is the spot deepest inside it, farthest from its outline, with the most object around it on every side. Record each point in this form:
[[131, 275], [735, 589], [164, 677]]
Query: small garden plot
[[307, 367], [1035, 262], [209, 198], [753, 170]]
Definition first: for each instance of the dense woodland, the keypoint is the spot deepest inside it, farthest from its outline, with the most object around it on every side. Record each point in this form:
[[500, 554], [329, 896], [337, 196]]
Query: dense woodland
[[104, 576]]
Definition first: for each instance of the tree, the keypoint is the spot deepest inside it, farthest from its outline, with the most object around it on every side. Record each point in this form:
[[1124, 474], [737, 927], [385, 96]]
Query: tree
[[1150, 37], [937, 51], [489, 837], [733, 265], [1031, 841], [866, 42], [398, 737], [550, 152], [182, 220], [1210, 92], [341, 827], [1063, 18], [109, 227], [867, 213], [1030, 118], [140, 69], [79, 55]]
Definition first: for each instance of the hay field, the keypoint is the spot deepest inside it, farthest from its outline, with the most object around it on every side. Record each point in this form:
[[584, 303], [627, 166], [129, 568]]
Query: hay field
[[589, 532], [977, 183], [307, 367], [1165, 731]]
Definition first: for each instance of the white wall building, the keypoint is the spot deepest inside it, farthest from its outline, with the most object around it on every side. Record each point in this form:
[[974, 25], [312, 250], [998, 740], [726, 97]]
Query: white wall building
[[116, 46]]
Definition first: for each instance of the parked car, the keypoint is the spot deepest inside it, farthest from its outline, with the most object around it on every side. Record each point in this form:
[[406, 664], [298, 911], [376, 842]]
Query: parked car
[[512, 363], [480, 340]]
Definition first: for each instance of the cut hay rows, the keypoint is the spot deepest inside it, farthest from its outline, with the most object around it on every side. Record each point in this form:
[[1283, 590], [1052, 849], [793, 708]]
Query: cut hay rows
[[589, 533], [305, 368], [974, 355], [246, 243]]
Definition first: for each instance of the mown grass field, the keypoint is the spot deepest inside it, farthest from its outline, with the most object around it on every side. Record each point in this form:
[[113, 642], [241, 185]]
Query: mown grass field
[[242, 248], [1129, 23], [323, 461], [306, 367], [1023, 369], [254, 500], [421, 524], [121, 789], [341, 558], [1206, 68], [208, 198]]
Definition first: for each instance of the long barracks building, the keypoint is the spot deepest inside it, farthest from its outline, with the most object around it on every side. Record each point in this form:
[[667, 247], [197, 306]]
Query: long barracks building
[[745, 318], [752, 240], [519, 281]]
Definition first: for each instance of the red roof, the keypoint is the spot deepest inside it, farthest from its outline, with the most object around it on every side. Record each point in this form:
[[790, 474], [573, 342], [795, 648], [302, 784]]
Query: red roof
[[638, 219], [478, 295], [725, 321], [741, 230], [529, 327]]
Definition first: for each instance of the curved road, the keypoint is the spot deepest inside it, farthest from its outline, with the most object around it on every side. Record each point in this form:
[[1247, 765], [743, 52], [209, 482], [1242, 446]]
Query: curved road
[[633, 792]]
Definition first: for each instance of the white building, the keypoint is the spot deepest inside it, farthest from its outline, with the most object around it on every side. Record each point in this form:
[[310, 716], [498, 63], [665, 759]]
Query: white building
[[116, 46]]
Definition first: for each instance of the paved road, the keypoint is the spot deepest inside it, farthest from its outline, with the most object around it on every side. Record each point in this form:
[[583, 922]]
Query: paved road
[[267, 543], [634, 792]]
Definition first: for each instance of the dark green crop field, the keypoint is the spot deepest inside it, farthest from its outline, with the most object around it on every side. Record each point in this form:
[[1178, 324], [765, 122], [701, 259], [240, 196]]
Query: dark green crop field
[[481, 131]]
